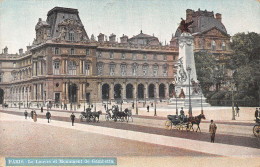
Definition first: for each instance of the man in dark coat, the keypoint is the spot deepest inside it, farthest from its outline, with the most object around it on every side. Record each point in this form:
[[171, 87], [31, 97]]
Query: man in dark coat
[[72, 117], [25, 114], [133, 105], [147, 108], [41, 109], [256, 113], [32, 114], [237, 110], [48, 116], [212, 131]]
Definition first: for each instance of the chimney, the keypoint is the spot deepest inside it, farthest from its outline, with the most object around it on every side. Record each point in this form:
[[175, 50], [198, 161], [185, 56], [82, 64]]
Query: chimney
[[112, 38], [101, 37], [219, 17], [6, 50], [28, 48], [20, 51], [40, 19], [124, 39]]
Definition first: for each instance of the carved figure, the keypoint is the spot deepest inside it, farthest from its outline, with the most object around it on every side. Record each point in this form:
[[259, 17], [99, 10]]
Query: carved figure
[[195, 87], [181, 74], [184, 26], [182, 95]]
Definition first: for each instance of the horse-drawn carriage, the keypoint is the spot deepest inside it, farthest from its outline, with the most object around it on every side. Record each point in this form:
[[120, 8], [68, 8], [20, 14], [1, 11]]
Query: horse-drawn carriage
[[256, 129], [90, 116], [115, 114], [183, 122]]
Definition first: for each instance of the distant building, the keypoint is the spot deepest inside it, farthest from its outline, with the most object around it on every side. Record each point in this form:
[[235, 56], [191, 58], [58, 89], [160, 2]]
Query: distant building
[[209, 35], [64, 65]]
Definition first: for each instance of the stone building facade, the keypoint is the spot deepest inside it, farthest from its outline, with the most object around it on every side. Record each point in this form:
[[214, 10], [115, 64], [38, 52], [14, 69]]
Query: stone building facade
[[209, 35], [64, 65]]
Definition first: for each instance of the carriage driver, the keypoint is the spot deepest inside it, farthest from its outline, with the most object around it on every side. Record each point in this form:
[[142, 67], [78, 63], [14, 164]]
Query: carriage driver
[[182, 113]]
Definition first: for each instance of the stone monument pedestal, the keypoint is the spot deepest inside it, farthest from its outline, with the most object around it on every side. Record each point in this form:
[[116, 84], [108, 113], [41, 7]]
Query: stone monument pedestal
[[186, 83]]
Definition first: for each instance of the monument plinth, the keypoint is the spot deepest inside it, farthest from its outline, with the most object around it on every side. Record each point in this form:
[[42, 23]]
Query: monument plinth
[[187, 79]]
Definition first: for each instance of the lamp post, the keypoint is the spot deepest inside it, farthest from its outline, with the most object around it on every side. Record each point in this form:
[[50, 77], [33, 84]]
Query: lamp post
[[190, 109], [27, 96], [176, 102], [136, 95], [155, 114], [233, 111]]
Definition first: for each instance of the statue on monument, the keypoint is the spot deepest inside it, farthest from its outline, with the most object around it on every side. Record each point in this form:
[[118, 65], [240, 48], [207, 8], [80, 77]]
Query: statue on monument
[[181, 74], [184, 27]]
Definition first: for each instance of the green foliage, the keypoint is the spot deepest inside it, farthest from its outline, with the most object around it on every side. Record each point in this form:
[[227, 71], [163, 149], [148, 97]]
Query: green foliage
[[245, 63], [207, 70]]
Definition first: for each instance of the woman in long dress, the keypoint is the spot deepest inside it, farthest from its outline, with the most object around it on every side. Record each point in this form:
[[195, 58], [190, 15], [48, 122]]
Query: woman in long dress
[[34, 116]]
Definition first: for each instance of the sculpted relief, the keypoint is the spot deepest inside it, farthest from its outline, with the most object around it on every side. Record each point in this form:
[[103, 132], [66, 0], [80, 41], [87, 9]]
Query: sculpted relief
[[71, 30]]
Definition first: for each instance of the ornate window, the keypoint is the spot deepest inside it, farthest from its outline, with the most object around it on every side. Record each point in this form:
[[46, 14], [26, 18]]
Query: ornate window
[[155, 70], [123, 70], [123, 56], [165, 70], [213, 45], [72, 51], [155, 56], [223, 46], [112, 69], [72, 68], [71, 36], [145, 70], [87, 69], [134, 56], [100, 68], [56, 51], [134, 69], [99, 54], [87, 52], [111, 55]]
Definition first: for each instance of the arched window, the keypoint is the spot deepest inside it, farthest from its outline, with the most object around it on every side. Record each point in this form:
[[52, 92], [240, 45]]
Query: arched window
[[223, 46], [72, 68], [213, 45]]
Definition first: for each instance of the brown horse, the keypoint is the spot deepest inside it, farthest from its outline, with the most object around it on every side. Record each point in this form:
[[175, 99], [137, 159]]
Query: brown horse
[[196, 120]]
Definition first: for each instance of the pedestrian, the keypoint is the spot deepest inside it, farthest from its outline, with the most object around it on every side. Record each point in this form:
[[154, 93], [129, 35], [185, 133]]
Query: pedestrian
[[182, 113], [256, 113], [237, 110], [72, 117], [133, 105], [25, 114], [91, 105], [212, 130], [151, 104], [48, 116], [41, 109], [34, 116], [147, 108], [105, 107]]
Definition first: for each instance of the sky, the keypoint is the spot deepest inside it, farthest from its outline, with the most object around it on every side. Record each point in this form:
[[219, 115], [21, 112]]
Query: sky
[[159, 17]]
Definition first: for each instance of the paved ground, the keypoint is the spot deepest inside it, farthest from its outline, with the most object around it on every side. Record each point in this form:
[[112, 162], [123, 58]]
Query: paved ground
[[150, 130]]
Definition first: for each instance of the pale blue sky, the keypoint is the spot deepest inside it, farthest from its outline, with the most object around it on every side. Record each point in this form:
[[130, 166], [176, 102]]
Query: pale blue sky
[[159, 17]]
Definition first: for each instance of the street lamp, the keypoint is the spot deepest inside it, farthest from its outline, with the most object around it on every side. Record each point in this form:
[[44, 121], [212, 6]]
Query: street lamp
[[233, 111], [176, 102], [155, 114], [27, 96], [136, 95], [190, 109]]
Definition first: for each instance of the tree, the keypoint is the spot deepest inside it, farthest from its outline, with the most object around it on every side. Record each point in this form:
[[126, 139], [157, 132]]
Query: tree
[[208, 71], [245, 63]]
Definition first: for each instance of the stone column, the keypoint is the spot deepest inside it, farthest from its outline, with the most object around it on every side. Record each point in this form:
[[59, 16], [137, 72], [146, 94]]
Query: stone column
[[167, 90], [157, 90], [124, 91], [111, 91], [99, 96]]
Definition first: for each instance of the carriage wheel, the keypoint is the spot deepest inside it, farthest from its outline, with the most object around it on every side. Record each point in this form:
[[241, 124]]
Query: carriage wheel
[[256, 130], [168, 125], [188, 125], [81, 118], [179, 126], [107, 117]]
